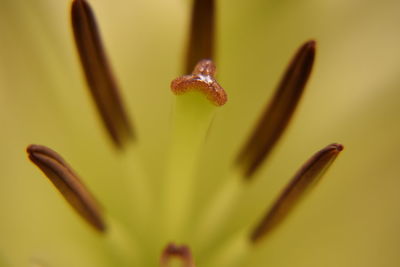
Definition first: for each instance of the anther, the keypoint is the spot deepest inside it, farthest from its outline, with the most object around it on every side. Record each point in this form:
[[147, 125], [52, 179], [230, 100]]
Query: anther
[[278, 113], [99, 77], [179, 252], [68, 184], [306, 178], [202, 80], [201, 37]]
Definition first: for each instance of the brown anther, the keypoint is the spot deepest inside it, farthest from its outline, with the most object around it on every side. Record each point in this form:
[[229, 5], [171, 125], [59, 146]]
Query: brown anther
[[278, 113], [202, 80], [99, 76], [68, 184], [179, 252], [201, 37], [306, 178]]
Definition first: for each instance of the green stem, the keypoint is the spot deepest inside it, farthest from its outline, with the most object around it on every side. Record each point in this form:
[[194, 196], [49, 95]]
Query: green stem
[[213, 226], [192, 116]]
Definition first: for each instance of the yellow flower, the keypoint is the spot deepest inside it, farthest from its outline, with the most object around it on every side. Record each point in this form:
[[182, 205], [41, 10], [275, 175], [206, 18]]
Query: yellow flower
[[351, 220]]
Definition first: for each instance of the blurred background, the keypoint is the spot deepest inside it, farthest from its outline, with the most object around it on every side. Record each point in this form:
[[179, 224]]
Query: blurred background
[[353, 98]]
